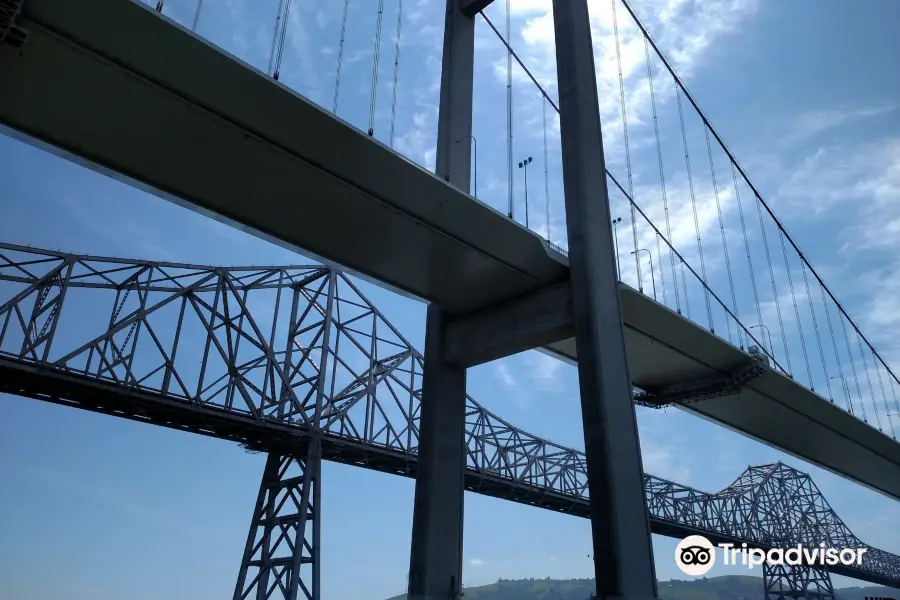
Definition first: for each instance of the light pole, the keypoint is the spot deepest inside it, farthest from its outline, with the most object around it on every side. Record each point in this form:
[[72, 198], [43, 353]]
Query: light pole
[[474, 160], [846, 390], [652, 276], [766, 331], [524, 165], [615, 222]]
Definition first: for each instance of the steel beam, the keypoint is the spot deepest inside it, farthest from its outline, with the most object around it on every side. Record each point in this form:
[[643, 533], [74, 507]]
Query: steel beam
[[281, 555], [623, 555], [535, 320], [435, 565]]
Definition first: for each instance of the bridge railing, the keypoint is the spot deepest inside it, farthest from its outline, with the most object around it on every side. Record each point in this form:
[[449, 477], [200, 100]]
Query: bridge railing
[[300, 348]]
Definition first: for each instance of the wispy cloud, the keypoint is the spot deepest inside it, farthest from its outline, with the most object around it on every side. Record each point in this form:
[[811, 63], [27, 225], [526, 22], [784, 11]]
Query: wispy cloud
[[665, 461], [477, 562], [505, 375], [812, 123], [544, 370]]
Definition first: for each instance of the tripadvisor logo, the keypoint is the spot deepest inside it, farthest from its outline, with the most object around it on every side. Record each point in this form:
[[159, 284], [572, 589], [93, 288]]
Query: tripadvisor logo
[[695, 555]]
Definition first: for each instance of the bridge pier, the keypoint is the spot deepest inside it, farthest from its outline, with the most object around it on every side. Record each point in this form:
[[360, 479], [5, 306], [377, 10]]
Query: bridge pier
[[281, 556], [435, 565], [786, 582], [623, 554]]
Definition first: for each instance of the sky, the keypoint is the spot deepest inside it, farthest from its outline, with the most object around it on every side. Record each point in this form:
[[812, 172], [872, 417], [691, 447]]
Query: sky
[[802, 93]]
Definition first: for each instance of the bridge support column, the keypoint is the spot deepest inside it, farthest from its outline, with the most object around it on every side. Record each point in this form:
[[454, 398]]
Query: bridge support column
[[623, 554], [281, 556], [435, 565], [783, 582]]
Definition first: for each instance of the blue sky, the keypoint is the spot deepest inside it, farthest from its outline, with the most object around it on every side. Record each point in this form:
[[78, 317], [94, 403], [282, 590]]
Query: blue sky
[[803, 94]]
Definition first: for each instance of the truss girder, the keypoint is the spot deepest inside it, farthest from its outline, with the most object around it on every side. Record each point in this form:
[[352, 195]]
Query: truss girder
[[281, 556], [299, 351]]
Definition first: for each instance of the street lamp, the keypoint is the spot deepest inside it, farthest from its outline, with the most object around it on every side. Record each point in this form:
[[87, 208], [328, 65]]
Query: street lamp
[[615, 222], [524, 165], [474, 159], [652, 276], [768, 333], [846, 390]]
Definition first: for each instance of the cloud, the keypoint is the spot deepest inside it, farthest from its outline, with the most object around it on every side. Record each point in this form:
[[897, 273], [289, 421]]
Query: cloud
[[477, 562], [505, 375], [814, 122], [543, 369], [665, 461]]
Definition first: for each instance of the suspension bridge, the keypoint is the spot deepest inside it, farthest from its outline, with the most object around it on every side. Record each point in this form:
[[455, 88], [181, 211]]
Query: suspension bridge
[[267, 159]]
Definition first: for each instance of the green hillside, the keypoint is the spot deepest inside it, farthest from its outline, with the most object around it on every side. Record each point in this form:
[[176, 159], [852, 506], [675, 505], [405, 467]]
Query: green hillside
[[728, 587]]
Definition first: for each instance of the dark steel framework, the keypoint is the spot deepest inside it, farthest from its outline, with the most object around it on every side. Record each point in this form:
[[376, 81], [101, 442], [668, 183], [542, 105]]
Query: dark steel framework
[[296, 362]]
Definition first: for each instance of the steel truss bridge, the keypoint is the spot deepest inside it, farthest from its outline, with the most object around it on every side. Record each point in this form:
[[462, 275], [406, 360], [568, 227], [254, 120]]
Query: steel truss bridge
[[296, 362]]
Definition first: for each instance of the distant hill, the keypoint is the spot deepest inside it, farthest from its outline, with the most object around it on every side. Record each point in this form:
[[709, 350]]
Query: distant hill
[[727, 587]]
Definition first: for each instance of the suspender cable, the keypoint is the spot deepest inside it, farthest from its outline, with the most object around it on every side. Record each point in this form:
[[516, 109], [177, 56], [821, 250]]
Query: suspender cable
[[396, 70], [509, 119], [687, 162], [862, 355], [837, 356], [712, 170], [282, 37], [546, 177], [662, 181], [340, 60], [271, 66], [787, 268], [887, 409], [737, 195], [853, 367], [637, 261], [762, 228], [377, 54], [662, 272], [196, 16], [687, 303], [896, 403], [816, 329]]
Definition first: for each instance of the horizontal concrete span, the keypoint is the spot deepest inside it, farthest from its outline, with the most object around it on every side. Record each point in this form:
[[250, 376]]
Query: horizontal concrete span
[[112, 85]]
